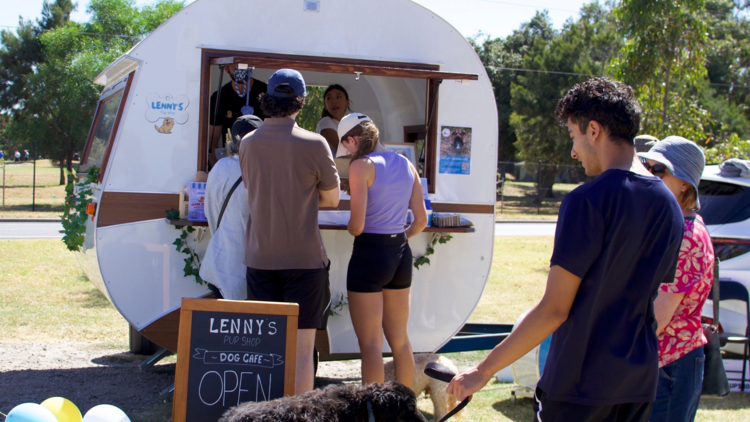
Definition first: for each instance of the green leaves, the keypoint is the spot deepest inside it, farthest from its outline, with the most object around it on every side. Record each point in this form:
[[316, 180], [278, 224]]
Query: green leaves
[[441, 238], [663, 58], [173, 214], [192, 262], [74, 212]]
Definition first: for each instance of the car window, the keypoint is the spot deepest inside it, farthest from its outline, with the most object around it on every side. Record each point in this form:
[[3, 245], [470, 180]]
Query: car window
[[723, 203]]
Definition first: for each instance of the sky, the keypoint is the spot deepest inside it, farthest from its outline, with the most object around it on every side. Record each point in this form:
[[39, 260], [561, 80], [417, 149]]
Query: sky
[[496, 18]]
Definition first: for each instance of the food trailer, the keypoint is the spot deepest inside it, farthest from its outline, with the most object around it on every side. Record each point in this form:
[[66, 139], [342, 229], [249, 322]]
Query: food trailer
[[412, 72]]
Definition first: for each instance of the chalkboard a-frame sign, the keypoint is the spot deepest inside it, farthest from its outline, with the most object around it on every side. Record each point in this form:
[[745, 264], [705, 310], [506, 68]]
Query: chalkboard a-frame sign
[[230, 352]]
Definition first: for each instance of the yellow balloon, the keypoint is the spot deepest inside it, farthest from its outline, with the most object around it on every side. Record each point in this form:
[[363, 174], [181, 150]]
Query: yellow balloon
[[63, 409]]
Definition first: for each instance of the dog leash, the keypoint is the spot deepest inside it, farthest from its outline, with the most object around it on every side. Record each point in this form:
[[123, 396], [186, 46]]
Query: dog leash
[[370, 414], [441, 373]]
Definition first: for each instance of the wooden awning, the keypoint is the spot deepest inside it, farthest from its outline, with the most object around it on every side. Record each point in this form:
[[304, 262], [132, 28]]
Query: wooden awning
[[344, 66]]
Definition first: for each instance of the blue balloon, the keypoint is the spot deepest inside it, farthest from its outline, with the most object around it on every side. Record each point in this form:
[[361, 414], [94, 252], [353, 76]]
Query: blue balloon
[[30, 412]]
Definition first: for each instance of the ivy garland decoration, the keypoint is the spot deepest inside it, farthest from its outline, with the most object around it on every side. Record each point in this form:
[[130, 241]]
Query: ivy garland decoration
[[333, 310], [74, 211], [192, 262], [441, 238]]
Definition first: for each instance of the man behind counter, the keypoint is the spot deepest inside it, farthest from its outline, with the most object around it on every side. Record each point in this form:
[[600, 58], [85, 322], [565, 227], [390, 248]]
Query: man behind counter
[[234, 96], [289, 173]]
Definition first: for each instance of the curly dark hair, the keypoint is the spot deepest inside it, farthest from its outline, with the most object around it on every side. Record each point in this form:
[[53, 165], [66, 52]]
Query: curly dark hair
[[610, 103], [281, 106]]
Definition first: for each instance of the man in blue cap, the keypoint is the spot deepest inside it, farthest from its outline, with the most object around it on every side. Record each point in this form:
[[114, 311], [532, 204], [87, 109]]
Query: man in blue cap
[[289, 174]]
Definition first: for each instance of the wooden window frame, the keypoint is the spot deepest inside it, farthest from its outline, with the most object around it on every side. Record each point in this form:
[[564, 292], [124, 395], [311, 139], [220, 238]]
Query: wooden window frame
[[430, 72], [104, 98]]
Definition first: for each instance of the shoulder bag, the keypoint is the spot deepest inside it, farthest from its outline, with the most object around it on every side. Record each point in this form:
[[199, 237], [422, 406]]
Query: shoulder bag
[[715, 382], [226, 201]]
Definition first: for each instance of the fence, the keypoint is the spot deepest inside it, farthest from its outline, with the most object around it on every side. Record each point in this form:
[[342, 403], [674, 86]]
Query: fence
[[30, 186], [528, 188]]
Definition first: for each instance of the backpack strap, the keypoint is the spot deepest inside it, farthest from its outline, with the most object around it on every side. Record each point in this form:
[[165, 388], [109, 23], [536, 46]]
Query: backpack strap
[[226, 201]]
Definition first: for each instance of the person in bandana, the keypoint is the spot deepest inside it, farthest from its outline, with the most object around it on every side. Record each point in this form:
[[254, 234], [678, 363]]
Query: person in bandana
[[242, 91]]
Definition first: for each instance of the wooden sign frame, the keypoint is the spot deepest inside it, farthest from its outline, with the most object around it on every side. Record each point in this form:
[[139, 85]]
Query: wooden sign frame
[[291, 310]]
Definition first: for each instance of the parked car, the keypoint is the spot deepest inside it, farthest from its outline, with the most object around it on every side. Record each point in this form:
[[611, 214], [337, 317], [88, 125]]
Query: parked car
[[725, 208]]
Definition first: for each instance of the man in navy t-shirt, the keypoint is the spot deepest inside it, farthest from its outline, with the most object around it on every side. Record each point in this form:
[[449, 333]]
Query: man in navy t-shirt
[[617, 239]]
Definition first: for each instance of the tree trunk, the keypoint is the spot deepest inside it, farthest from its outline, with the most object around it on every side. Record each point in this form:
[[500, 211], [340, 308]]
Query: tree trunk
[[62, 169], [69, 161]]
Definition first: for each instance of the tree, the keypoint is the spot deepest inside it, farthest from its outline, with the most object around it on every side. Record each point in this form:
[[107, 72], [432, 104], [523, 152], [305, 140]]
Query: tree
[[59, 94], [727, 62], [663, 58], [582, 49], [21, 51], [499, 57]]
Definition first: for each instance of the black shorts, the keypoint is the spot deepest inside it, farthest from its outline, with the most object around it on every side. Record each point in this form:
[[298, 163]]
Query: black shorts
[[379, 261], [307, 288], [546, 410]]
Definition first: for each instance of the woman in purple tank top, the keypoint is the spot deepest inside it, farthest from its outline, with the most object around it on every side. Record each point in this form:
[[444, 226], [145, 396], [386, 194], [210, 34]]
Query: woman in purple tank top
[[383, 185]]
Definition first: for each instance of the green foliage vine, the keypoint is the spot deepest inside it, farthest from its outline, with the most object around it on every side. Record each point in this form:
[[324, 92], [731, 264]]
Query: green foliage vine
[[441, 238], [192, 262], [74, 211]]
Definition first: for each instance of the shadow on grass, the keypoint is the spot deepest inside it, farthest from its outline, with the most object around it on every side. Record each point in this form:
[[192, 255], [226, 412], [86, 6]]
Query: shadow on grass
[[127, 358], [93, 298], [124, 386], [26, 206], [521, 411]]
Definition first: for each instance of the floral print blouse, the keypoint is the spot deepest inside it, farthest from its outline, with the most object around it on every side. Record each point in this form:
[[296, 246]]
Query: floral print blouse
[[694, 277]]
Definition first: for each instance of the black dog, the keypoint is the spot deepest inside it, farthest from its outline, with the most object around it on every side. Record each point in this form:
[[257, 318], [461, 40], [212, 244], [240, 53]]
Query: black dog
[[389, 402], [458, 143]]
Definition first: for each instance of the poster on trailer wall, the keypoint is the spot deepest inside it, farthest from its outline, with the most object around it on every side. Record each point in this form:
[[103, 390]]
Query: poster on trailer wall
[[455, 150]]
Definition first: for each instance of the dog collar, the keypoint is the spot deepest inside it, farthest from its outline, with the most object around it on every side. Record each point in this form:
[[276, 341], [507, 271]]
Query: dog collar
[[370, 415]]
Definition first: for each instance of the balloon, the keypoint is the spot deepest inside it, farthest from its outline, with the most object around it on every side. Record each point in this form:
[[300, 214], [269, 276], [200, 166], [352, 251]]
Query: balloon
[[30, 412], [105, 413], [63, 409]]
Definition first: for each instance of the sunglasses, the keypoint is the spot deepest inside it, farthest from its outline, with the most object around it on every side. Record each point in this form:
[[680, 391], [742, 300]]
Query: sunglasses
[[658, 170]]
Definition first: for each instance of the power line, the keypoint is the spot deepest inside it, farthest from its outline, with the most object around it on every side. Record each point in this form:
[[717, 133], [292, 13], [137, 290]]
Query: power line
[[556, 72]]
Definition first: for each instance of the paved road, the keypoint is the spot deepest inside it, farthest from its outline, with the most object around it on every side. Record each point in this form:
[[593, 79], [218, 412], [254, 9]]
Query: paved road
[[51, 230], [30, 230]]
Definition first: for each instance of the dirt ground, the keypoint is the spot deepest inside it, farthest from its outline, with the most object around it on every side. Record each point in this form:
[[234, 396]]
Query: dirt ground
[[89, 376]]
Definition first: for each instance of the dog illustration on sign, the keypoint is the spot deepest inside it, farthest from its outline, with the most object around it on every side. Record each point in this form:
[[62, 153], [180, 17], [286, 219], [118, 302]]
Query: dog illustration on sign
[[166, 127], [170, 110]]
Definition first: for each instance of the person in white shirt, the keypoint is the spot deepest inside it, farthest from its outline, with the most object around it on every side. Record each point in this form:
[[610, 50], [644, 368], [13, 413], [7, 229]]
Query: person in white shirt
[[335, 107], [222, 265]]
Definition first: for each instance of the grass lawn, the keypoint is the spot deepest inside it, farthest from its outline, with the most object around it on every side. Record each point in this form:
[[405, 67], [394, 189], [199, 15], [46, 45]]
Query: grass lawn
[[44, 297], [17, 181]]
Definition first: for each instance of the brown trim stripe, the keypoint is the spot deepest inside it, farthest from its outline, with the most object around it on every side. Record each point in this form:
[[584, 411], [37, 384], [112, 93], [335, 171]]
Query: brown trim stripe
[[129, 207]]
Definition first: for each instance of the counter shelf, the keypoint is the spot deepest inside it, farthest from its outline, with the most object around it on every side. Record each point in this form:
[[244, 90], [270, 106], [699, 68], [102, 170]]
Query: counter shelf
[[426, 230], [179, 222], [182, 222]]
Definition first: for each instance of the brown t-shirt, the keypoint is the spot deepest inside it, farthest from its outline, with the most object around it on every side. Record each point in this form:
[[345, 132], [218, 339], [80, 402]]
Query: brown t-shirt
[[283, 167]]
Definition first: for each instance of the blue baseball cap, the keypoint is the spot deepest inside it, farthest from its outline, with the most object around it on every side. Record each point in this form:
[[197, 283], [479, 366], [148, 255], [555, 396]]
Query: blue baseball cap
[[289, 77]]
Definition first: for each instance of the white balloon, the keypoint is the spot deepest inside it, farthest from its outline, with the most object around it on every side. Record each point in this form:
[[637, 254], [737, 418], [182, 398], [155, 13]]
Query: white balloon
[[105, 413]]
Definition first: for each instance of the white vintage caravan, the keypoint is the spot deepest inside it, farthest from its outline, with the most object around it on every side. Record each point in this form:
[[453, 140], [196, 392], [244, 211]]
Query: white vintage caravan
[[407, 68]]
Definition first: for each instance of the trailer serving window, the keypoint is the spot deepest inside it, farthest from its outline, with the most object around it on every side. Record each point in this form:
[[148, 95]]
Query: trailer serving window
[[104, 128], [429, 73]]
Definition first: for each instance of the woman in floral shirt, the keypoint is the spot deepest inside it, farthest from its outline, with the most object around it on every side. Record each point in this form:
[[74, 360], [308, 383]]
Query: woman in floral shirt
[[679, 163]]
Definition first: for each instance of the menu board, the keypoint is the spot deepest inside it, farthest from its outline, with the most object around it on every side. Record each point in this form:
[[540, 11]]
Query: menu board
[[230, 352]]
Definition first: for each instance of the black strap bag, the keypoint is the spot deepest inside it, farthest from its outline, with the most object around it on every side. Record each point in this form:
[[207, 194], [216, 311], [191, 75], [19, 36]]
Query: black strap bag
[[715, 382], [226, 201]]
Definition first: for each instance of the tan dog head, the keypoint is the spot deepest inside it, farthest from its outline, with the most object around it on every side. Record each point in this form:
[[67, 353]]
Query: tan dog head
[[167, 126]]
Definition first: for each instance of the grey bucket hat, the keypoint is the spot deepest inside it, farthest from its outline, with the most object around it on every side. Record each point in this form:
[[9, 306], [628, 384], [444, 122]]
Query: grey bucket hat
[[682, 157]]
